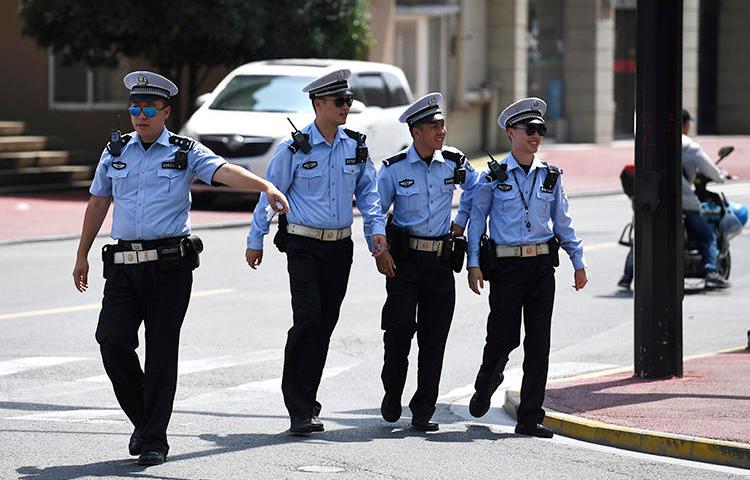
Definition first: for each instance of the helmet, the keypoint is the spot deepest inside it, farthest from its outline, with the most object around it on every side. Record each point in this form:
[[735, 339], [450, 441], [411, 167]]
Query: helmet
[[740, 211], [734, 219]]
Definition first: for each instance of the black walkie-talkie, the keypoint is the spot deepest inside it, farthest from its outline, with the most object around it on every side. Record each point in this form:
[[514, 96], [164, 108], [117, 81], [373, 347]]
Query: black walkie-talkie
[[497, 171], [300, 140]]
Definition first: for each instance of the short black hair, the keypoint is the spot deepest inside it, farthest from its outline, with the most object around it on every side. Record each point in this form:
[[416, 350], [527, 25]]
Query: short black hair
[[686, 116]]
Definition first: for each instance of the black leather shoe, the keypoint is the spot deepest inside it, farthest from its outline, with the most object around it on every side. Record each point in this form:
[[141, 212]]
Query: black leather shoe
[[537, 430], [152, 457], [480, 401], [134, 446], [316, 425], [301, 426], [424, 425], [390, 408]]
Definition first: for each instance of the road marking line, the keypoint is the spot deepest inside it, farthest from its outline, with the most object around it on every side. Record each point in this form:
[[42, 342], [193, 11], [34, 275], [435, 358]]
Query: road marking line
[[73, 416], [273, 385], [93, 306], [9, 367]]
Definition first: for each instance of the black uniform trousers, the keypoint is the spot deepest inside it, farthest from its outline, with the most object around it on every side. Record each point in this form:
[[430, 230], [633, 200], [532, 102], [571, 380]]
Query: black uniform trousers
[[421, 299], [134, 294], [521, 285], [318, 276]]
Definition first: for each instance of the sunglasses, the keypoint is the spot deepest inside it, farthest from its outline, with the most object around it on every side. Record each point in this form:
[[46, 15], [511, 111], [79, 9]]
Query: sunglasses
[[533, 128], [340, 101], [135, 111]]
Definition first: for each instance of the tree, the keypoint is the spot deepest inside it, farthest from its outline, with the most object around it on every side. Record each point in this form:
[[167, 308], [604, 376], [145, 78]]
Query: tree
[[192, 36]]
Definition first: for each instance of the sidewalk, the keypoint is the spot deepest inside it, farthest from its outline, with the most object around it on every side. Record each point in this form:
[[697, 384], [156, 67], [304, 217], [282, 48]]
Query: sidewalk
[[703, 416], [588, 169]]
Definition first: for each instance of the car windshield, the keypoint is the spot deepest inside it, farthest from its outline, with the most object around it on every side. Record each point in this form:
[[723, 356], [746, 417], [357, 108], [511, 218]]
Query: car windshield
[[264, 93]]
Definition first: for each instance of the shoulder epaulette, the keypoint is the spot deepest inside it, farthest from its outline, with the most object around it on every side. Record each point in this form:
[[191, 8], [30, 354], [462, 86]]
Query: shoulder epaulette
[[116, 152], [359, 137], [454, 157], [184, 143], [394, 159]]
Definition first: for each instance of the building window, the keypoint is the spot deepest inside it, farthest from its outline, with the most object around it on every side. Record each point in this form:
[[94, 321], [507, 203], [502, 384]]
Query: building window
[[78, 87], [422, 45]]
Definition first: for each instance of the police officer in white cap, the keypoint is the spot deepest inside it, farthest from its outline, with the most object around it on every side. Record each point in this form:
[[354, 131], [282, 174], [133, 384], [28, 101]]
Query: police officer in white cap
[[420, 182], [320, 168], [529, 219], [149, 272]]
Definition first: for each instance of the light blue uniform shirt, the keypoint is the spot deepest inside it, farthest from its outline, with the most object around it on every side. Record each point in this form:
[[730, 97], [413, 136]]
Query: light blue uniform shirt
[[548, 212], [421, 198], [319, 187], [151, 202]]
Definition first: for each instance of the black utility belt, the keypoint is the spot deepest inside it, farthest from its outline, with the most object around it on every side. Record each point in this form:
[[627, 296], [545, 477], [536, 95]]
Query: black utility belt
[[169, 253]]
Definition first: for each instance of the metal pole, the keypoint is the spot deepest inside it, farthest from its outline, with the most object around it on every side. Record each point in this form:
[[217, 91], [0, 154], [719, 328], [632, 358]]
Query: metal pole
[[658, 202]]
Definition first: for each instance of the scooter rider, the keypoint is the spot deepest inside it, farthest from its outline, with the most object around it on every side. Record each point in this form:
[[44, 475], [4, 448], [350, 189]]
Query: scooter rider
[[695, 161], [700, 233]]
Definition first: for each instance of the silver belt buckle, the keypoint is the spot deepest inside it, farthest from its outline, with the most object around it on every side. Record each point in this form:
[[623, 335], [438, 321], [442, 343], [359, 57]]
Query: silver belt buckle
[[130, 258], [329, 234], [529, 251]]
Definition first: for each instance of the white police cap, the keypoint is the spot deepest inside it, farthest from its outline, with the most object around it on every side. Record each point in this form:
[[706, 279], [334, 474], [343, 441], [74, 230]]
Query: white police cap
[[332, 83], [531, 109], [426, 108], [142, 82]]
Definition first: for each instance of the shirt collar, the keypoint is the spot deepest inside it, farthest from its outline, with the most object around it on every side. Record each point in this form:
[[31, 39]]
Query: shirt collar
[[413, 155], [317, 137], [512, 163], [163, 139]]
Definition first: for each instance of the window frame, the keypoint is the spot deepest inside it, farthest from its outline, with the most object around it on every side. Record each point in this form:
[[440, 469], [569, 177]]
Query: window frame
[[89, 104]]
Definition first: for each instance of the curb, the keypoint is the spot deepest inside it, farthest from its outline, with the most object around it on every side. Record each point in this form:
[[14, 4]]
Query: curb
[[699, 449]]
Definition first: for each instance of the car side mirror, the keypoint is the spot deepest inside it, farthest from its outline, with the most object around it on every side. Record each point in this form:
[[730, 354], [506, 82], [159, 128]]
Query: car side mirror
[[202, 99], [357, 107], [725, 150]]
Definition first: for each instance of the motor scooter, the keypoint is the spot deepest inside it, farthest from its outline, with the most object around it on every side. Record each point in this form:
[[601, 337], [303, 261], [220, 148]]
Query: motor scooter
[[725, 218]]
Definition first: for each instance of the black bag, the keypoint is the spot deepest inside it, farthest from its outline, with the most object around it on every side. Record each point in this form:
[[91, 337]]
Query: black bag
[[282, 237], [397, 238], [487, 257], [554, 251]]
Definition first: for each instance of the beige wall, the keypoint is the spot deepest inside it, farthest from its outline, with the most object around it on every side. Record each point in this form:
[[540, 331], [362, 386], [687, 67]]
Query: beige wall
[[734, 67], [589, 81], [383, 27], [690, 22]]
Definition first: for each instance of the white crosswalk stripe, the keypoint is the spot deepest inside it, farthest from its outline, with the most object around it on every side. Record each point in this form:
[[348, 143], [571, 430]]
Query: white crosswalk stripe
[[10, 367]]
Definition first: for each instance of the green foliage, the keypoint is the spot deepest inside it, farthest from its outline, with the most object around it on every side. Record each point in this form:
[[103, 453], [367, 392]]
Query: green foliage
[[192, 36]]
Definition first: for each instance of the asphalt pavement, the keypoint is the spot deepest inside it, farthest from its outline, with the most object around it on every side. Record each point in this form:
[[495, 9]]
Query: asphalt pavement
[[59, 419]]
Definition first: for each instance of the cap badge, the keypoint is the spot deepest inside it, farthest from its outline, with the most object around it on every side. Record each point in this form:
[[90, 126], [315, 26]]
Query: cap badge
[[142, 80], [535, 104], [342, 75], [432, 102]]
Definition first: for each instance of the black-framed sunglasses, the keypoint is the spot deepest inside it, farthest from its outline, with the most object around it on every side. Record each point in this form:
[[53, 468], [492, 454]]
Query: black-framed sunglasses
[[340, 101], [533, 128]]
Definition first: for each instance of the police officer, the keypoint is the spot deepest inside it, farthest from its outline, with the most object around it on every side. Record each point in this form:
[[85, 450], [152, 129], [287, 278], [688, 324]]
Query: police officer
[[420, 182], [319, 168], [528, 213], [148, 272]]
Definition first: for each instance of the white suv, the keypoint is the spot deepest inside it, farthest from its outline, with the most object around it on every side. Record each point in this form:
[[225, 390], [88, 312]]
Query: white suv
[[245, 117]]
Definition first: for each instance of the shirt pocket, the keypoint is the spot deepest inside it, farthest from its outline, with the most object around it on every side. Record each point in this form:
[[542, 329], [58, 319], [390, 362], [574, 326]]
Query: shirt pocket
[[168, 180], [310, 179], [508, 201], [350, 176], [408, 198], [118, 179], [543, 203]]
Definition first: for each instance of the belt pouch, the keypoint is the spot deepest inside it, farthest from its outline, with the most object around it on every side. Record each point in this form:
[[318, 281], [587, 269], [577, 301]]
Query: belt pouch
[[169, 258], [554, 251], [193, 246], [487, 257], [458, 252], [108, 259], [398, 240], [281, 237]]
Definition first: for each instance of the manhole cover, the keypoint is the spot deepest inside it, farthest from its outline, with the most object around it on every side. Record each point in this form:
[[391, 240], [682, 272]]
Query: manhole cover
[[320, 469]]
